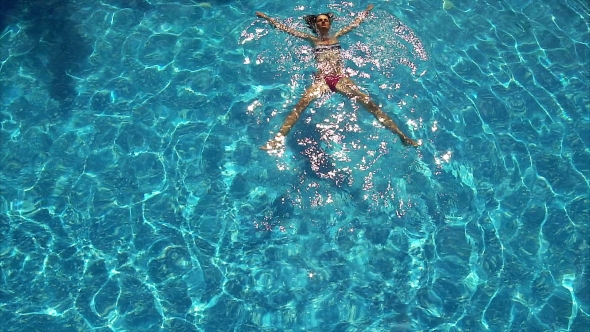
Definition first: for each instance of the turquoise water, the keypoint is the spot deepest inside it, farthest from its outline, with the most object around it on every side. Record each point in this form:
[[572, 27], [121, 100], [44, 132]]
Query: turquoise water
[[134, 196]]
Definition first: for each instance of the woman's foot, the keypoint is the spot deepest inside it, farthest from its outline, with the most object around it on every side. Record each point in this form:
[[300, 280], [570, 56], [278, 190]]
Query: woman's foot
[[408, 141], [276, 143]]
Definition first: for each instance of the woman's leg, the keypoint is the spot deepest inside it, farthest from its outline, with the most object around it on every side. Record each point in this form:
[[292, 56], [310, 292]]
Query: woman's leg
[[311, 94], [347, 87]]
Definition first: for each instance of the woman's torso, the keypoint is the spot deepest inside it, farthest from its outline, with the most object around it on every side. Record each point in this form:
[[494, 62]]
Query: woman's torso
[[328, 57]]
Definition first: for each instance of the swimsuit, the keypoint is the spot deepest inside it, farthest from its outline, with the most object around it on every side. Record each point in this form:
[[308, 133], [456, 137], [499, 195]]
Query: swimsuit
[[331, 80], [325, 48]]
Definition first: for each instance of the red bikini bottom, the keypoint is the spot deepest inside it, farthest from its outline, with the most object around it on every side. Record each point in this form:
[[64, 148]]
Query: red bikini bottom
[[332, 80]]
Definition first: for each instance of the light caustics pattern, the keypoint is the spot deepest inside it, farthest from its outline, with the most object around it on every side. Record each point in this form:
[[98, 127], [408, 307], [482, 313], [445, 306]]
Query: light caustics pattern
[[134, 196], [342, 129]]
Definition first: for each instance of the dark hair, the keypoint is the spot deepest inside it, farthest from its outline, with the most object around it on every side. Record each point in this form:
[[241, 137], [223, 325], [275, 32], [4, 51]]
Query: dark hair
[[310, 20]]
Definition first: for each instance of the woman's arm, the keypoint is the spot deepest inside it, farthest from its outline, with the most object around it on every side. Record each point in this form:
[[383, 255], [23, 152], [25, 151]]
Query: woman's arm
[[354, 23], [285, 28]]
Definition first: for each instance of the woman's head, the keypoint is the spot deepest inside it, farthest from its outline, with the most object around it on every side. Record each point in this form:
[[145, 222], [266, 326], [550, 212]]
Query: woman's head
[[319, 23]]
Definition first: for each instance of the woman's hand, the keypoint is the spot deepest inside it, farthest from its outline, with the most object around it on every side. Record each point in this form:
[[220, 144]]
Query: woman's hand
[[365, 13], [262, 15]]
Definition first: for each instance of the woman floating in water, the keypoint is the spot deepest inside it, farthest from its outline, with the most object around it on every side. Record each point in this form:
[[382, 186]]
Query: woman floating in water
[[330, 75]]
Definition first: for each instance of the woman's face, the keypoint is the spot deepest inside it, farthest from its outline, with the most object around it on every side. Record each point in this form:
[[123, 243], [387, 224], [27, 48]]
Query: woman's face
[[323, 22]]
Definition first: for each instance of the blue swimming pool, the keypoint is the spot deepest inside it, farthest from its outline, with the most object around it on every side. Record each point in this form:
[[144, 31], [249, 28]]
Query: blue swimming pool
[[134, 195]]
